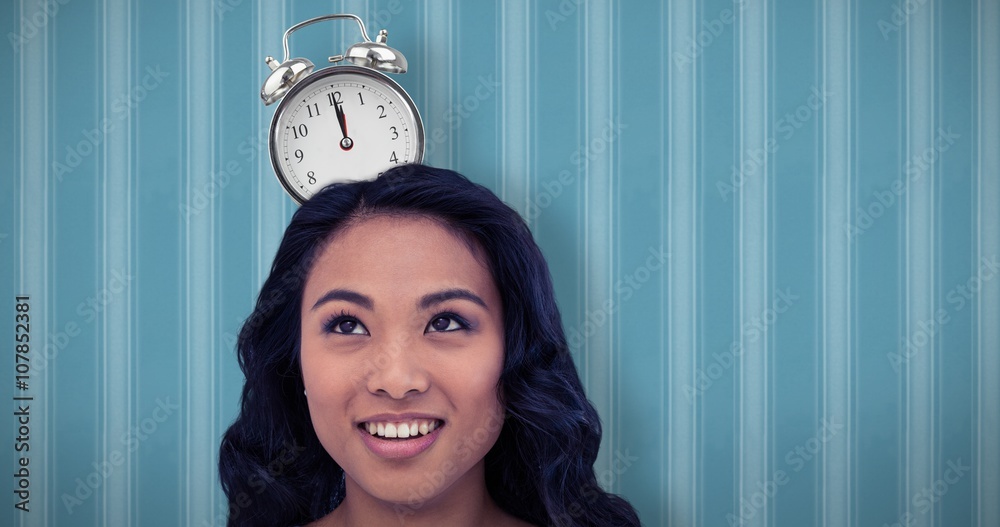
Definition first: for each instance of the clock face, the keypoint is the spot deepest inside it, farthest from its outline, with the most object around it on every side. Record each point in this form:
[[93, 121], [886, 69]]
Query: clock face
[[343, 123]]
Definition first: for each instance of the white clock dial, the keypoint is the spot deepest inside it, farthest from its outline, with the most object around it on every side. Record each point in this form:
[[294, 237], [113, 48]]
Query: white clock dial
[[343, 123]]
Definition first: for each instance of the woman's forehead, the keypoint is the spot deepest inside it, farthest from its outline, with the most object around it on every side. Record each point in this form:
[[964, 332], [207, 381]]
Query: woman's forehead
[[398, 255], [377, 225], [390, 238]]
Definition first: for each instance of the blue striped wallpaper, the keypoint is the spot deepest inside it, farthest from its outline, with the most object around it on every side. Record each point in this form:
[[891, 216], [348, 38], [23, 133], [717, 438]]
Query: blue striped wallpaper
[[773, 228]]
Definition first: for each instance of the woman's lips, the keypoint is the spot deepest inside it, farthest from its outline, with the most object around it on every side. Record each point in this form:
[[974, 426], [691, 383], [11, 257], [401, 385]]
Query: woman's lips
[[398, 448]]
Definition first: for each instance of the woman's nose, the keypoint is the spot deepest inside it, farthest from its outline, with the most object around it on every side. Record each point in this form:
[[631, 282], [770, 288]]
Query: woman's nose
[[397, 370]]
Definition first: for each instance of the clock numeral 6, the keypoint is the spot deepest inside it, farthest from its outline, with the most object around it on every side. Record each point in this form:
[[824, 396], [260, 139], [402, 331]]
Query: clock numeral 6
[[300, 131], [395, 134], [312, 177], [299, 155]]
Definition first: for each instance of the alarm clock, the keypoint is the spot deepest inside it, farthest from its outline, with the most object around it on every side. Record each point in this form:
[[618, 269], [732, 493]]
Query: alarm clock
[[343, 122]]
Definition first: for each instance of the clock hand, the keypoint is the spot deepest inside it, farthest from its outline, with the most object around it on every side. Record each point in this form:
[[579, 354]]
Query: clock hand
[[342, 119], [346, 143]]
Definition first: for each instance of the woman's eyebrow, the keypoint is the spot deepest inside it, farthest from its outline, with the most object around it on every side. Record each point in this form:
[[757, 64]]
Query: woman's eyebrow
[[431, 299], [425, 302], [346, 295]]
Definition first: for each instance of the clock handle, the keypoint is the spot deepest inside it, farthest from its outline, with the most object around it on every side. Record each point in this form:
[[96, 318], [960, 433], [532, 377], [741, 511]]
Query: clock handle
[[304, 23], [372, 54]]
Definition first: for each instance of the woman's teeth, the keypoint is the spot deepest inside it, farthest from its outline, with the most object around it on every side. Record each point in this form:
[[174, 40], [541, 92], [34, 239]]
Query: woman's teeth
[[412, 428]]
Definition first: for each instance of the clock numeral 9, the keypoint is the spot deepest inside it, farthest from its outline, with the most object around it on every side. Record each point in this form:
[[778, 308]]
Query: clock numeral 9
[[382, 110], [299, 155], [395, 134], [312, 177], [300, 131], [334, 98]]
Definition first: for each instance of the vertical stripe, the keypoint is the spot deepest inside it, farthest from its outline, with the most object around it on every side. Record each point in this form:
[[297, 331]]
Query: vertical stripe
[[133, 298], [47, 506], [515, 103], [836, 260], [988, 227], [437, 86], [682, 280], [902, 280], [613, 427], [853, 424], [919, 253], [663, 158], [33, 247], [271, 205], [348, 28], [456, 65], [598, 197], [199, 270], [753, 276], [182, 190], [116, 233]]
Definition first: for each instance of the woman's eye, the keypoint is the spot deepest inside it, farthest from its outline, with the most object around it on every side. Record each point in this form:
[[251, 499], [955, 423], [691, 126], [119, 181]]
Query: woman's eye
[[446, 323], [348, 326]]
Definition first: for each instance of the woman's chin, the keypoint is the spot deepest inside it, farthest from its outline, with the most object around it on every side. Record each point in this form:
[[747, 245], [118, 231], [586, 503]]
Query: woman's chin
[[406, 493]]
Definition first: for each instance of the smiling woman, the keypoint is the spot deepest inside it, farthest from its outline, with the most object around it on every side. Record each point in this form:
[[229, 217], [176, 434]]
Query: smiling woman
[[406, 365]]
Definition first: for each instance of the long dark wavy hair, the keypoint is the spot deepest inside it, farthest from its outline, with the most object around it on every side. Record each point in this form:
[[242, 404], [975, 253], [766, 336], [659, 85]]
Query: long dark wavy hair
[[273, 468]]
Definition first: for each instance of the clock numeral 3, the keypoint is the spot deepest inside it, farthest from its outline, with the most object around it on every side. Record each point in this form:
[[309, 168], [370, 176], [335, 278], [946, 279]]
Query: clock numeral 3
[[312, 177], [300, 131], [381, 109], [395, 134]]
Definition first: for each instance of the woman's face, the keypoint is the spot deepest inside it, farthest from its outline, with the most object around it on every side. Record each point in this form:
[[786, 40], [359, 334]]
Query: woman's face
[[402, 328]]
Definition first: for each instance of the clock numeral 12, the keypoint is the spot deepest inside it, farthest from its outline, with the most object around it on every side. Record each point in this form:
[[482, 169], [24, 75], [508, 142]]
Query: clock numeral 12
[[334, 98]]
